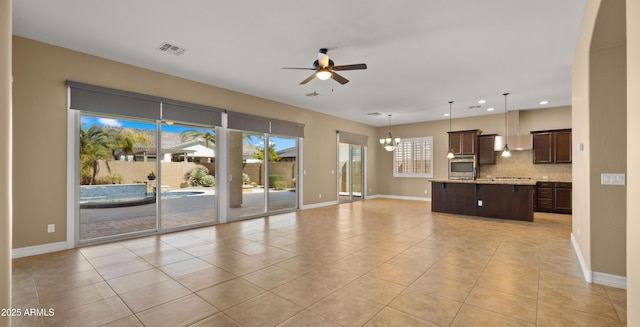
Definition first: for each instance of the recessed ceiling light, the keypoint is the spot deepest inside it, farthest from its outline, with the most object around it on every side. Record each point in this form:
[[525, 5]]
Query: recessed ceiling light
[[543, 102], [489, 109], [482, 101]]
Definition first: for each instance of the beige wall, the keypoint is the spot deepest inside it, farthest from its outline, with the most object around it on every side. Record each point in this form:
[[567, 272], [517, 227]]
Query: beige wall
[[40, 102], [530, 120], [608, 139], [633, 163], [5, 158], [581, 229], [599, 115]]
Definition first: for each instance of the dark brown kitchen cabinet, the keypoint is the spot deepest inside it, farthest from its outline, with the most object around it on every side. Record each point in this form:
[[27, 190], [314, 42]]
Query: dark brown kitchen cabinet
[[486, 153], [562, 146], [504, 201], [544, 196], [464, 142], [562, 197], [554, 197], [458, 198], [550, 147]]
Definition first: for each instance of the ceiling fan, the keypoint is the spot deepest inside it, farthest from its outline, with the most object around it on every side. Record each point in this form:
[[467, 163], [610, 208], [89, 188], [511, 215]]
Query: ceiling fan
[[325, 69]]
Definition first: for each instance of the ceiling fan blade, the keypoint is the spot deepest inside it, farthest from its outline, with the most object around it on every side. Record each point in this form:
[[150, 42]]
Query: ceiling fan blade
[[350, 67], [339, 78], [298, 68], [308, 79]]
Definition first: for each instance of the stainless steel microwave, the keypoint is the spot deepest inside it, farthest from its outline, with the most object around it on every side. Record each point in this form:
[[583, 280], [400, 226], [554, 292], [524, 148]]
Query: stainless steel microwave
[[462, 167]]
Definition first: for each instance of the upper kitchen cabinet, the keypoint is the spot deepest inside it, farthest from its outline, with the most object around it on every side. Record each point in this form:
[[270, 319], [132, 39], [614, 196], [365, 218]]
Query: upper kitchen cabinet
[[551, 147], [464, 142], [486, 151]]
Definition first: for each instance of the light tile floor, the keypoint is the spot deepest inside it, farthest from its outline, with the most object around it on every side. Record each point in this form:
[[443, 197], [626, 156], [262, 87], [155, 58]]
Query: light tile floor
[[377, 262]]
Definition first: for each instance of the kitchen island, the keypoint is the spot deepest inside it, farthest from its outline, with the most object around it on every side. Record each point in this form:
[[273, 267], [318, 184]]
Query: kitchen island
[[503, 199]]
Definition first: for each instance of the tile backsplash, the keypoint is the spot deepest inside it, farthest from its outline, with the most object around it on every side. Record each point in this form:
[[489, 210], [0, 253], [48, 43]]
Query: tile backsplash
[[520, 164]]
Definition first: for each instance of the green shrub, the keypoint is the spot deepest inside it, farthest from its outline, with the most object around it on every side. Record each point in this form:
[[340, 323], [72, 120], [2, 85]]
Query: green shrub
[[114, 179], [196, 175], [280, 185], [254, 184], [245, 179], [208, 181], [184, 184], [273, 179]]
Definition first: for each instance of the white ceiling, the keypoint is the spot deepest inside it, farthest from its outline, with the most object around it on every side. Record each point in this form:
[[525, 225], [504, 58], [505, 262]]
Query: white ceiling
[[420, 54]]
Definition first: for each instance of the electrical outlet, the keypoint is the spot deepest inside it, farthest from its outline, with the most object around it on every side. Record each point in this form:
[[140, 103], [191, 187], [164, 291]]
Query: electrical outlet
[[545, 177], [51, 228], [479, 203], [425, 191], [319, 195]]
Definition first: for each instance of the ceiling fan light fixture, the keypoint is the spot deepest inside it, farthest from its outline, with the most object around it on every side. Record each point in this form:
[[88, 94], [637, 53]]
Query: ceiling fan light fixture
[[323, 74]]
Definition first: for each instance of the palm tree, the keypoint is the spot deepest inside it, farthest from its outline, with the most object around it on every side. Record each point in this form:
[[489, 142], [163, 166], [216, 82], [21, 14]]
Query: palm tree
[[126, 139], [193, 134], [94, 147]]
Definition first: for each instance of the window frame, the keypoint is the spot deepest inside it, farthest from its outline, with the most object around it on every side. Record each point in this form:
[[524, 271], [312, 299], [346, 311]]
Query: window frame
[[426, 145]]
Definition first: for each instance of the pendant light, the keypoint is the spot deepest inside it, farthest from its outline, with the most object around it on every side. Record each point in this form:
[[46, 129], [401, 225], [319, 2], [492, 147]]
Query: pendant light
[[505, 151], [450, 155], [390, 143]]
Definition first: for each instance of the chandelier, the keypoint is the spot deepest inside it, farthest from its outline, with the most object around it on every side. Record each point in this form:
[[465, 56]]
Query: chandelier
[[390, 143]]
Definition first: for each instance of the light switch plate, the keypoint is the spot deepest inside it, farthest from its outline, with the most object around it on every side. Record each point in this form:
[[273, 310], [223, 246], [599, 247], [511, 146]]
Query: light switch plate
[[612, 179]]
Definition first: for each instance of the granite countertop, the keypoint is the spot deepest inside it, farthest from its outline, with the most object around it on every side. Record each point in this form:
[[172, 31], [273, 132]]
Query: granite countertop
[[487, 181]]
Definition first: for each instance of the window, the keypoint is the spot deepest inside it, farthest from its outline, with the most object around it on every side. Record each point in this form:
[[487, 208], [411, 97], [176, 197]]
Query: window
[[413, 158]]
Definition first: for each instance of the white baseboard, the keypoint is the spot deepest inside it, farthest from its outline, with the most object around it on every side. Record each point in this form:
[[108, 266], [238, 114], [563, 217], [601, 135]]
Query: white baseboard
[[610, 280], [399, 197], [38, 249], [318, 205], [588, 275], [594, 276]]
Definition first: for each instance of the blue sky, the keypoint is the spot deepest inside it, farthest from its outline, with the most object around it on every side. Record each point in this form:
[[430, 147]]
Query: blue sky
[[86, 121]]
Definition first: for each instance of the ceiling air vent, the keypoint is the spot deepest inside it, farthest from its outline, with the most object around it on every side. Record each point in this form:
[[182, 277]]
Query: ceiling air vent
[[373, 114], [172, 49]]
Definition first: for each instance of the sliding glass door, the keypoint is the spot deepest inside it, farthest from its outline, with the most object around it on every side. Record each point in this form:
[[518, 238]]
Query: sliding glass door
[[145, 164], [117, 177], [282, 170], [187, 176], [350, 172], [263, 170]]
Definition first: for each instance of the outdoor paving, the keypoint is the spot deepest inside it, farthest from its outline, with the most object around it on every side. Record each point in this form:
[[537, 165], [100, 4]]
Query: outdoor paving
[[96, 223]]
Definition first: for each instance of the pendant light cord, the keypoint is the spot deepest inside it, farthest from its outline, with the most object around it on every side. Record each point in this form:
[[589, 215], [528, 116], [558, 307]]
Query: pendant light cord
[[506, 118], [450, 102]]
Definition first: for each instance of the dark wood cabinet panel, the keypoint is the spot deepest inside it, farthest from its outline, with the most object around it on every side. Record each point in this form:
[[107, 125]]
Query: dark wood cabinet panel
[[551, 147], [455, 142], [553, 197], [562, 147], [543, 147], [562, 197], [463, 142], [486, 153], [502, 201], [457, 198], [513, 202]]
